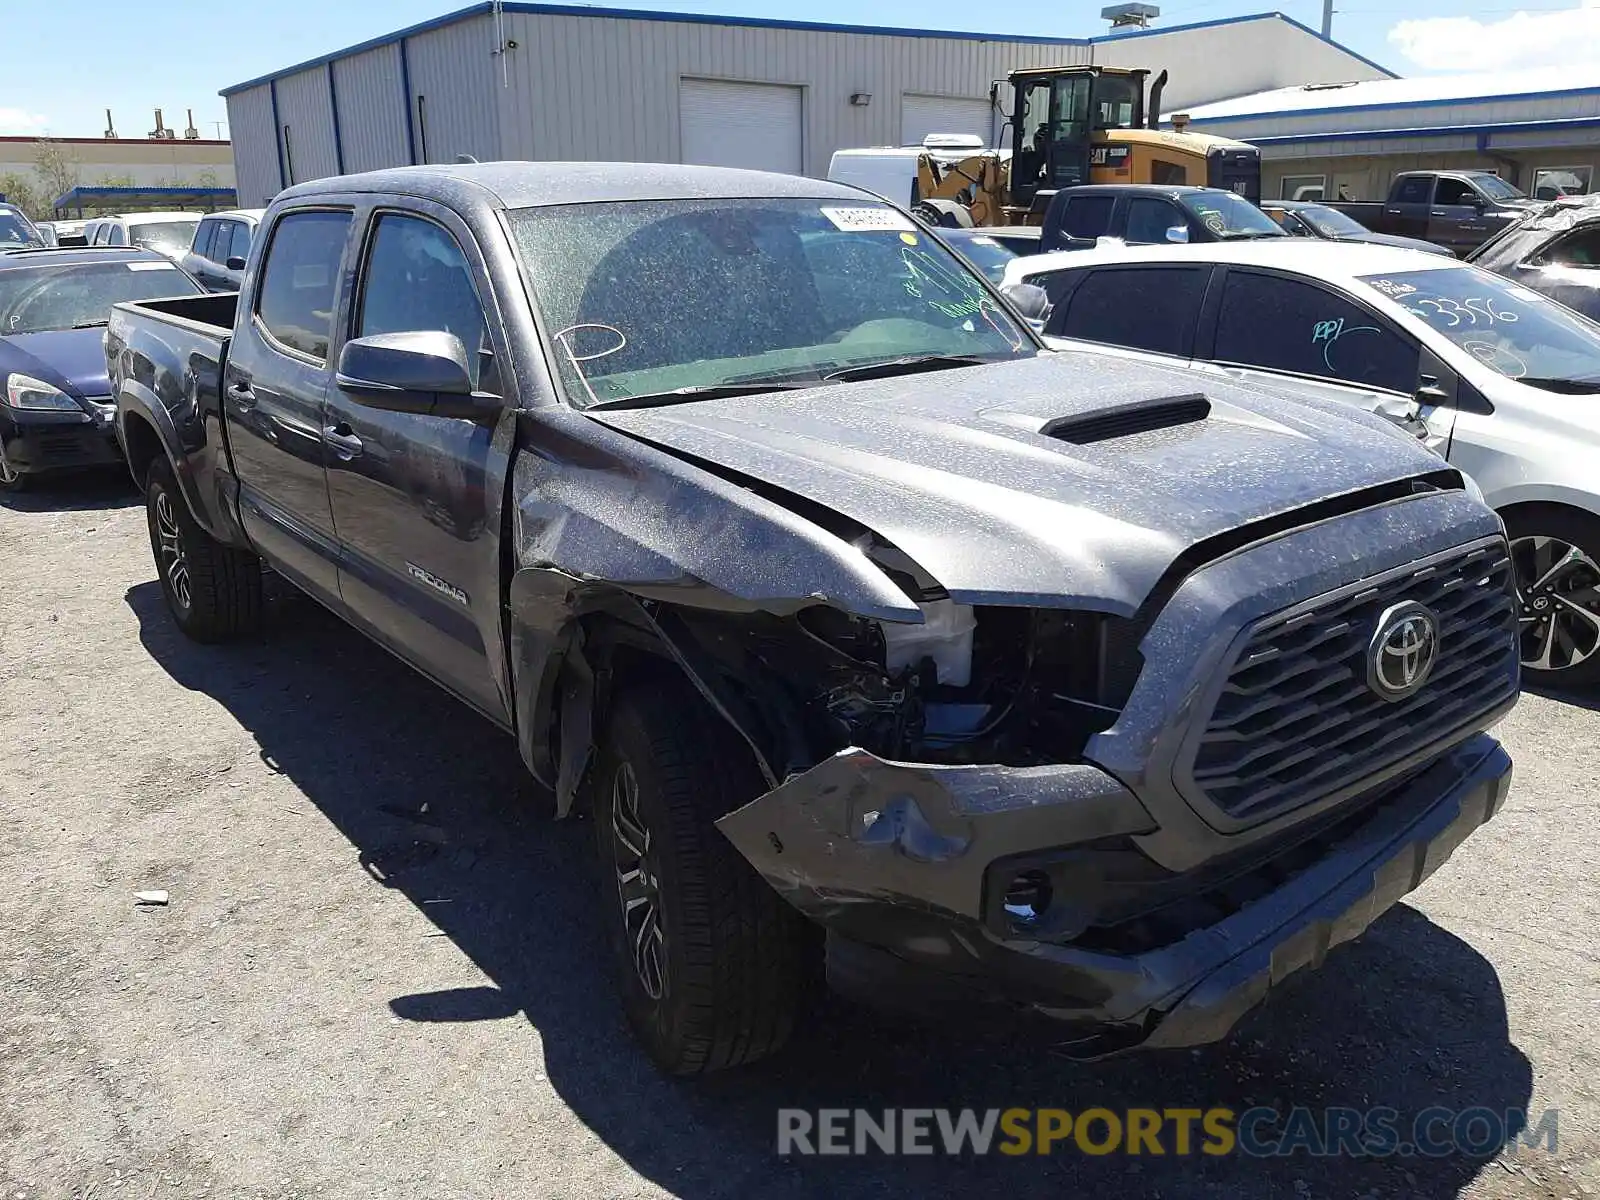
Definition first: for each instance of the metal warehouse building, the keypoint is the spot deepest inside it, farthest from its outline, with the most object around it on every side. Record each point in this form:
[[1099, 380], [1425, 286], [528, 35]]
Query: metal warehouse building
[[1351, 138], [536, 81]]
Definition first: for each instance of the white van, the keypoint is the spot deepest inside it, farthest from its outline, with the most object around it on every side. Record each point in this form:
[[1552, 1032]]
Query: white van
[[891, 171]]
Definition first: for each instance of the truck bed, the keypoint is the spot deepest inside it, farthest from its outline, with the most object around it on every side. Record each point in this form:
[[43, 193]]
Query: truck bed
[[214, 309]]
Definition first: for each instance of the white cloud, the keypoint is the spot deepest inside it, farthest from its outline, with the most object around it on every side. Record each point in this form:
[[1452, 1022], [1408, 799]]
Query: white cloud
[[1563, 37], [19, 121]]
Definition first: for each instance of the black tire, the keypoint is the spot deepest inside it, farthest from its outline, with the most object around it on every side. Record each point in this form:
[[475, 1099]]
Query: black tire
[[1556, 554], [213, 591], [943, 214], [11, 479], [733, 960]]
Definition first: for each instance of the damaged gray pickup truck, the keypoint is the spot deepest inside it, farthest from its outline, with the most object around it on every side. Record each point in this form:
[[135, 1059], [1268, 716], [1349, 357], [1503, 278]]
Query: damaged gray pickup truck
[[788, 554]]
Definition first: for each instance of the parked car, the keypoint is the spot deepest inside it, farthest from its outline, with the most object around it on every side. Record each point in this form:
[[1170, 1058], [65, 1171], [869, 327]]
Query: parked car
[[16, 231], [221, 245], [1501, 381], [1151, 213], [991, 249], [833, 596], [169, 233], [1311, 218], [1555, 249], [67, 233], [55, 407], [1454, 209]]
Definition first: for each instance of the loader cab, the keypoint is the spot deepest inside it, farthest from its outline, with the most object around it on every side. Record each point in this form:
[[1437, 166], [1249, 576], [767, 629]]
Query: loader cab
[[1057, 113]]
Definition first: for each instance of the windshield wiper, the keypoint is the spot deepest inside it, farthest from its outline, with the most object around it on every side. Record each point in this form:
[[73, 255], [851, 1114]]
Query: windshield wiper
[[1567, 387], [706, 391], [909, 365]]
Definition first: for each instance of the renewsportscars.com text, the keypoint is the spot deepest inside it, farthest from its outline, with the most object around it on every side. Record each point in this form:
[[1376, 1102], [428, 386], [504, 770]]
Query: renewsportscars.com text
[[1254, 1132]]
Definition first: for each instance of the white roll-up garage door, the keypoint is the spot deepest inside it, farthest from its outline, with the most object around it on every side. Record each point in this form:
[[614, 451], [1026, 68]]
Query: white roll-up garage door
[[753, 125], [922, 115]]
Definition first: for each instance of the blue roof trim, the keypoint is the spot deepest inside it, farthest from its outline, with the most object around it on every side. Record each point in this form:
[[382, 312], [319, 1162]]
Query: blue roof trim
[[1284, 17], [1372, 135], [638, 14], [1397, 105]]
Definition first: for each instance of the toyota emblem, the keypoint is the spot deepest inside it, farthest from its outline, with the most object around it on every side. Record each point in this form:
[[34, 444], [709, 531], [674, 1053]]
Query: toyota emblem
[[1404, 647]]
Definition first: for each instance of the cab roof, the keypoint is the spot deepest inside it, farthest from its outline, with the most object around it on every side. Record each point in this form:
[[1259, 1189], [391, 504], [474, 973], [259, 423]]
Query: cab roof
[[539, 184]]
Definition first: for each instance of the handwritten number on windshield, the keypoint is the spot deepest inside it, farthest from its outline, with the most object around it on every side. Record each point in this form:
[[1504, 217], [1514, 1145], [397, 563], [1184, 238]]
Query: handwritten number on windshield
[[1470, 312]]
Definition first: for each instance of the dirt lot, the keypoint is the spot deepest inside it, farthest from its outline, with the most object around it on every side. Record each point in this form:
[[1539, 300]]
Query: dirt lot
[[344, 1001]]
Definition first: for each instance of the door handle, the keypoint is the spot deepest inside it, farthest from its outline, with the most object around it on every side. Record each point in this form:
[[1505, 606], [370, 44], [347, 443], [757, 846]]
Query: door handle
[[1439, 213], [242, 395], [345, 443]]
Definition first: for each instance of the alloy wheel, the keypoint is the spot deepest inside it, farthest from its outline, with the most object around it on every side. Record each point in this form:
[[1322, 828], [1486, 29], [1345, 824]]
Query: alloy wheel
[[638, 884], [8, 473], [174, 562], [1558, 597]]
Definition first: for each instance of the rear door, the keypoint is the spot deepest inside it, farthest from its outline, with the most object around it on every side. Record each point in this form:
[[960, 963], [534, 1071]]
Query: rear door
[[1153, 308], [273, 390], [1075, 220], [1283, 331], [416, 499], [1406, 213]]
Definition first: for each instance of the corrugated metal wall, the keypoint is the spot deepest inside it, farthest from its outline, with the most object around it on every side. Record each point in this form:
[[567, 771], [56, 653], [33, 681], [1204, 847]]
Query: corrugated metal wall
[[457, 79], [607, 88], [372, 109], [305, 126], [1434, 116], [255, 145]]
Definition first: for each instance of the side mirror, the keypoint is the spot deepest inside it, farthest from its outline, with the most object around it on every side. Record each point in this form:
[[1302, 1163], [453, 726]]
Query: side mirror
[[1429, 392], [235, 263], [423, 371], [1030, 300], [1476, 201], [1178, 233]]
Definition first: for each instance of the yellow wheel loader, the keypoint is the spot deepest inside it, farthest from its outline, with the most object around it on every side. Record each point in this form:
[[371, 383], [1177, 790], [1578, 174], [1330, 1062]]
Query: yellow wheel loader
[[1072, 125]]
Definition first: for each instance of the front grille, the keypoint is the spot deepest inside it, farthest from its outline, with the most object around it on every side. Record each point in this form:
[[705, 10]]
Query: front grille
[[1297, 721]]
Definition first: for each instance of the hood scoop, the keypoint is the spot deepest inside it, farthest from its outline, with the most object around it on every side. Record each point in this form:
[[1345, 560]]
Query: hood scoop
[[1126, 420]]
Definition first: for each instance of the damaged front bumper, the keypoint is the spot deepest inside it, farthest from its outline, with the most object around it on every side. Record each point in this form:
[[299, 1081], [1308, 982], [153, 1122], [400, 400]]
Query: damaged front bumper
[[1024, 886]]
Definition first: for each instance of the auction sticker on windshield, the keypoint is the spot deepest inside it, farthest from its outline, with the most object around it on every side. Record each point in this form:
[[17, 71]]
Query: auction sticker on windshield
[[869, 220], [151, 266]]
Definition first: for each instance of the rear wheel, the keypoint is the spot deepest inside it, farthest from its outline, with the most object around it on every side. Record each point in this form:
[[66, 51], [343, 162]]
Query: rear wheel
[[213, 591], [1555, 553], [712, 963]]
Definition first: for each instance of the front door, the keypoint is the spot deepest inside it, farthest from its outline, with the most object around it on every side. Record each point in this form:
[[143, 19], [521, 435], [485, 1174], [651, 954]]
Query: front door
[[416, 499], [273, 390], [1456, 218]]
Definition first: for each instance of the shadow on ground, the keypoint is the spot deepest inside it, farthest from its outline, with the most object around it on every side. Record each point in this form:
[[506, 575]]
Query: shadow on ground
[[1408, 1017], [75, 491]]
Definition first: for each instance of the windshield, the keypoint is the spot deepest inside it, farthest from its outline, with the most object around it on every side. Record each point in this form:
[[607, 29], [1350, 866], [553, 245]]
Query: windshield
[[1116, 101], [1229, 215], [985, 253], [1330, 222], [1496, 188], [15, 230], [650, 297], [171, 238], [1518, 333], [72, 295]]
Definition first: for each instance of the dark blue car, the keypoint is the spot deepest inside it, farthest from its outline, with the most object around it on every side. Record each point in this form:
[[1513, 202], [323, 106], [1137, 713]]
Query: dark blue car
[[55, 410]]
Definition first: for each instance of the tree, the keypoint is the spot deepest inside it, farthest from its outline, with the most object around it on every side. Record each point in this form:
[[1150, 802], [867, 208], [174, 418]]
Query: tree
[[114, 181], [24, 193], [56, 166], [208, 179]]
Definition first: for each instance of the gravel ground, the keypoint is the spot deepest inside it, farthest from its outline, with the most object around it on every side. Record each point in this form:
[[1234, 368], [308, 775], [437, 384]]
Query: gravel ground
[[341, 1000]]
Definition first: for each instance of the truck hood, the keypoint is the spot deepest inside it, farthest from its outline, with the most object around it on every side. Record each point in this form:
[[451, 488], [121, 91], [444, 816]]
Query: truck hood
[[73, 360], [1399, 242], [971, 473]]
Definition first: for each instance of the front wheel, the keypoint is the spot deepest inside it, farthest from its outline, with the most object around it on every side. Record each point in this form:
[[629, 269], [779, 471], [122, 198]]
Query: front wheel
[[213, 591], [1555, 554], [712, 963], [11, 479]]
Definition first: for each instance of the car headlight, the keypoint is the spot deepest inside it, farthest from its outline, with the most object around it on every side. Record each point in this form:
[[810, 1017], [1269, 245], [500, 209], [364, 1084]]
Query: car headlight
[[24, 391]]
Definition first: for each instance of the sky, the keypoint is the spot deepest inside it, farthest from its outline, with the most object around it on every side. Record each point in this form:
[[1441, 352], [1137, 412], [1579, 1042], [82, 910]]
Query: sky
[[178, 54]]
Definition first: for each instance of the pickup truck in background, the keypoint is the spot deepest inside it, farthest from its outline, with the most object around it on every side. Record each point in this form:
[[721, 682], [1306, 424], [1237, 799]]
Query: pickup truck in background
[[1064, 683], [1150, 214], [1455, 209]]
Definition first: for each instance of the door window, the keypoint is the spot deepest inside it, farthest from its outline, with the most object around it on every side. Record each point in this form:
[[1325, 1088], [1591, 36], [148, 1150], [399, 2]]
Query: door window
[[1287, 325], [1414, 189], [1145, 308], [116, 235], [1454, 191], [300, 280], [1150, 218], [240, 246], [202, 238], [417, 279], [1087, 217], [1580, 249]]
